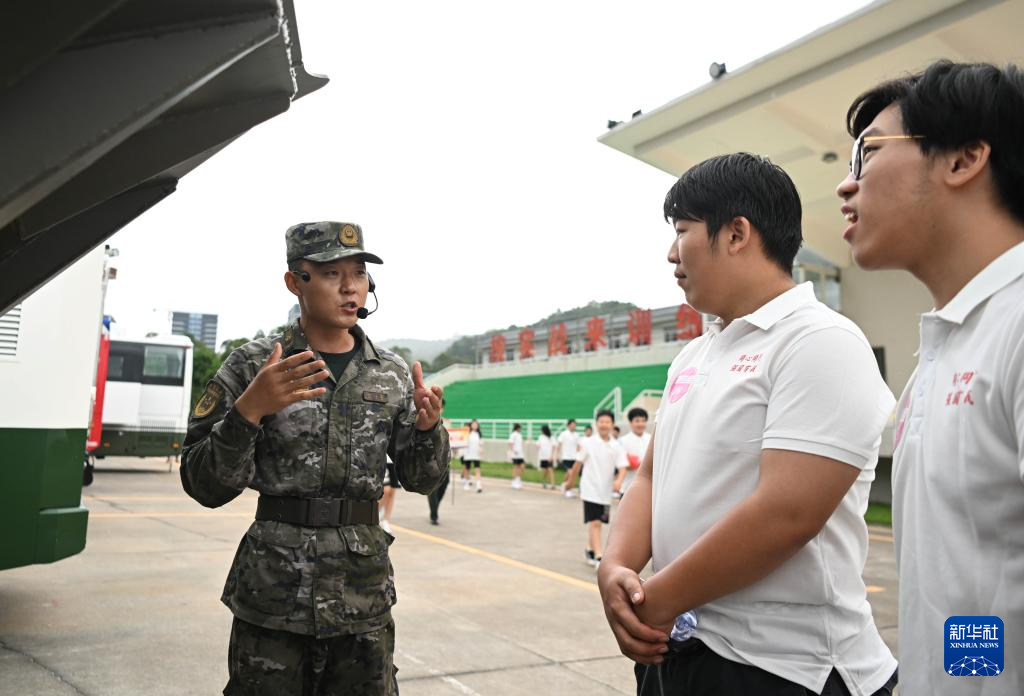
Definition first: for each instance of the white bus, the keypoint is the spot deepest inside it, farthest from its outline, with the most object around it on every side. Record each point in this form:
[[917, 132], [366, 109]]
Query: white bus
[[147, 400]]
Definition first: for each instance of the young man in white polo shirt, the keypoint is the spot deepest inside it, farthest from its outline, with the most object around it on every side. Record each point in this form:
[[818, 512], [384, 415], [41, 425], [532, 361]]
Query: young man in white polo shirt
[[937, 188], [751, 496], [635, 444], [601, 457]]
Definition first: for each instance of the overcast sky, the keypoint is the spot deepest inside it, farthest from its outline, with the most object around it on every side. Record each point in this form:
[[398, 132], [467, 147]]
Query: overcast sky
[[462, 136]]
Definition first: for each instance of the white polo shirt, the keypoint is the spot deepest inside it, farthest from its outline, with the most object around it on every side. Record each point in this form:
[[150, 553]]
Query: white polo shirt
[[473, 446], [515, 445], [794, 375], [635, 446], [602, 460], [958, 482], [567, 443]]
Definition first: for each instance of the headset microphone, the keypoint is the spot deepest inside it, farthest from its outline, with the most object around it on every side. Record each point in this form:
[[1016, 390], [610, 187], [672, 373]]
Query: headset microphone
[[362, 313]]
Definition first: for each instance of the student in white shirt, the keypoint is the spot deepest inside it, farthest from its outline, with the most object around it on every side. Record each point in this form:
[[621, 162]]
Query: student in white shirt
[[937, 188], [750, 499], [635, 444], [517, 455], [565, 450], [471, 460], [601, 457], [545, 457]]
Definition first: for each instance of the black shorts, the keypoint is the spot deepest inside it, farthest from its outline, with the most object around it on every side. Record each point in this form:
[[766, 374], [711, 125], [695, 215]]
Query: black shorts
[[594, 511], [693, 668], [566, 464], [517, 461], [470, 463], [393, 476], [545, 463]]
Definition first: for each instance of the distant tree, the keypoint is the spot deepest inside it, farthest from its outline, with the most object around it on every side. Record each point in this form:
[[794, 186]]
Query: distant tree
[[402, 352], [227, 346], [462, 351], [279, 329], [205, 364], [260, 334]]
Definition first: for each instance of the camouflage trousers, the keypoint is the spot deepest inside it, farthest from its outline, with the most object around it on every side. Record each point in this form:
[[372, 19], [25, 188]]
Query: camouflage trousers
[[267, 662]]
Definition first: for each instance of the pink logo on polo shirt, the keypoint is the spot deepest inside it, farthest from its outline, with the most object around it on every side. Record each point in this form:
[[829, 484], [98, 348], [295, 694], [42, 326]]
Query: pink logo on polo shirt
[[681, 384]]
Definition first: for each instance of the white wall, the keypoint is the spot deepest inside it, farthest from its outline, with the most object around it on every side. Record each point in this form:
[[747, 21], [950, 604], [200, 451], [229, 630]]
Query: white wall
[[887, 306], [635, 356], [48, 384]]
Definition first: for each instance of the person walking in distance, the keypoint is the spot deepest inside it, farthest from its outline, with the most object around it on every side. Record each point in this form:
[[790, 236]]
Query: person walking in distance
[[545, 456], [474, 448], [568, 442], [517, 455]]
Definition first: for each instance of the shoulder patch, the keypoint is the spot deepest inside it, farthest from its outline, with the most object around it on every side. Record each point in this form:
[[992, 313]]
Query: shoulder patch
[[209, 400], [376, 397]]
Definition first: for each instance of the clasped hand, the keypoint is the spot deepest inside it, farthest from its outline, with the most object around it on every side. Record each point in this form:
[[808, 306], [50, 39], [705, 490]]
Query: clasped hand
[[622, 593]]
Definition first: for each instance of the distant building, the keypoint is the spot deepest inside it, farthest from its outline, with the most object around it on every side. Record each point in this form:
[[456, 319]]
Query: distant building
[[293, 313], [201, 326]]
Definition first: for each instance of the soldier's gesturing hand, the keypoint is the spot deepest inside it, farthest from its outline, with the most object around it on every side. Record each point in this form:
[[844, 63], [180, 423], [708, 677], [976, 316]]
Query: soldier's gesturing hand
[[428, 401], [280, 383]]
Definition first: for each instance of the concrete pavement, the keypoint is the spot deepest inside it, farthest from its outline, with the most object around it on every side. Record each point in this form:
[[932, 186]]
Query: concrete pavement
[[495, 600]]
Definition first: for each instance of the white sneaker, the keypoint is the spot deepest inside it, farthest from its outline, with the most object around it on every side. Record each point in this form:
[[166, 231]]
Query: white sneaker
[[570, 493], [465, 486], [386, 527]]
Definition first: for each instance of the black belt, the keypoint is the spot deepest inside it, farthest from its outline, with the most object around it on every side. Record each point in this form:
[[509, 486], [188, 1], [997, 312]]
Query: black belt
[[317, 512]]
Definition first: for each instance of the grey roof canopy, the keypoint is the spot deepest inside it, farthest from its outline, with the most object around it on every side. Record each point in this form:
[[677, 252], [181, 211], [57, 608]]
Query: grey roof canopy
[[105, 104]]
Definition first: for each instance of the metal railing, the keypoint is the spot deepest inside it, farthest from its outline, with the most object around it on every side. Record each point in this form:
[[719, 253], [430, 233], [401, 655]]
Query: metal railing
[[612, 401]]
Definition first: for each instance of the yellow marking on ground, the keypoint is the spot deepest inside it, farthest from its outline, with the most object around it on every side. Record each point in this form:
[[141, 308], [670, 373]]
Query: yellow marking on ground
[[111, 515], [880, 537], [536, 570], [874, 588]]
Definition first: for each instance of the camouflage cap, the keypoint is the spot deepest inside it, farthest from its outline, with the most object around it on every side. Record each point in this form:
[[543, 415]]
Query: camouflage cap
[[326, 241]]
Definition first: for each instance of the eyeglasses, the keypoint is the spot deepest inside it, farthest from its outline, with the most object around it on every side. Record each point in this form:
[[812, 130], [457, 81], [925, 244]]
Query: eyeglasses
[[857, 156]]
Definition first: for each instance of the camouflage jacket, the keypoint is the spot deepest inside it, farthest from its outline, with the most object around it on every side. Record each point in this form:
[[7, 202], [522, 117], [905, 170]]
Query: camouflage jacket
[[324, 581]]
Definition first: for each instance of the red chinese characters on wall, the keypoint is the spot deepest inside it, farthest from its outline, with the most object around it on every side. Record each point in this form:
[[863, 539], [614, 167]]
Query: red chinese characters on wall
[[595, 334], [557, 341], [526, 343], [497, 348], [688, 323], [640, 327]]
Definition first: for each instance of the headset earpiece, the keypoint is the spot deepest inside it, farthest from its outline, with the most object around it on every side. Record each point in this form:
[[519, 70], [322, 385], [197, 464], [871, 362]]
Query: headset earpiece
[[373, 286], [302, 274]]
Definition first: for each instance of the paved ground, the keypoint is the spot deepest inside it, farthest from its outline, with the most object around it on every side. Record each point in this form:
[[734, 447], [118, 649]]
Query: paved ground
[[496, 600]]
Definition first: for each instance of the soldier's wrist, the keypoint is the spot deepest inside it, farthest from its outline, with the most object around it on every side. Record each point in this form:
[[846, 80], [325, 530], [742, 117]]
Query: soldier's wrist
[[245, 410]]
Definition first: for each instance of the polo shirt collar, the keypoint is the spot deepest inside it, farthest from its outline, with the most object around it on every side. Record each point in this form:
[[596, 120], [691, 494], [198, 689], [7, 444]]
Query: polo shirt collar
[[782, 306], [1005, 269]]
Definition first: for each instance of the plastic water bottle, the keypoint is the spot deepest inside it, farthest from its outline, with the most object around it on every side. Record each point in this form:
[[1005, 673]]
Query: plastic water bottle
[[685, 626]]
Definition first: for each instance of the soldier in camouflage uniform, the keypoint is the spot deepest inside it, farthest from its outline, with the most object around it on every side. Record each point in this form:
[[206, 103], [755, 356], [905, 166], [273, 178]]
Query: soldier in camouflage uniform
[[311, 586]]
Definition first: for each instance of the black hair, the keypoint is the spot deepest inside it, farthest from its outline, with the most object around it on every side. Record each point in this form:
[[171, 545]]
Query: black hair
[[636, 413], [545, 430], [471, 425], [516, 427], [956, 104], [722, 188], [571, 420], [604, 412]]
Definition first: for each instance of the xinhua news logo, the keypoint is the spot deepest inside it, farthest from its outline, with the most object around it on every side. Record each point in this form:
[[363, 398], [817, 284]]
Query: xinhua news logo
[[974, 646]]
